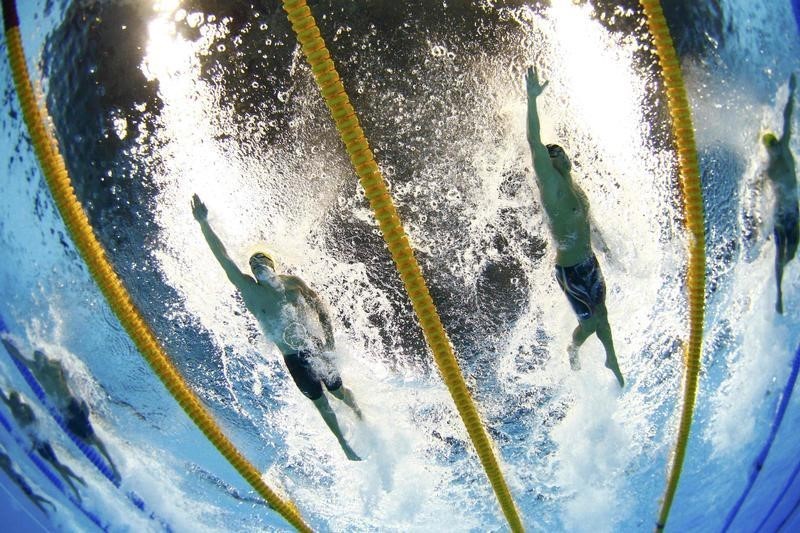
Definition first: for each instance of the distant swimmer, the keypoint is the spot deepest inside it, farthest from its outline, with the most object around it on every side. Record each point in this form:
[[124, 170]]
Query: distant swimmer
[[293, 317], [50, 375], [783, 176], [567, 209], [22, 483], [24, 416]]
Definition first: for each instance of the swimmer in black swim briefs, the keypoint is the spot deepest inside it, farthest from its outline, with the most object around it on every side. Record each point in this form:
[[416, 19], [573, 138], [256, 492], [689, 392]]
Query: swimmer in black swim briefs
[[566, 210], [584, 286], [51, 375], [782, 174], [288, 311], [309, 371]]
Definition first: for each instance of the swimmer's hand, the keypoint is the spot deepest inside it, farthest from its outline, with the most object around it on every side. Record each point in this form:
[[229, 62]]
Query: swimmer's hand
[[199, 209], [535, 87], [792, 83]]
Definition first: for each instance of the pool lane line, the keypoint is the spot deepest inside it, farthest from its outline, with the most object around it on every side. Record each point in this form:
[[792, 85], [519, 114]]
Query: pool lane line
[[50, 475], [787, 392], [118, 298], [376, 191], [692, 197]]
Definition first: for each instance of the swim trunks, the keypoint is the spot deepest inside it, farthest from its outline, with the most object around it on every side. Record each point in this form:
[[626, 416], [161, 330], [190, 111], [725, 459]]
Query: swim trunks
[[310, 370], [584, 286], [787, 233], [77, 419]]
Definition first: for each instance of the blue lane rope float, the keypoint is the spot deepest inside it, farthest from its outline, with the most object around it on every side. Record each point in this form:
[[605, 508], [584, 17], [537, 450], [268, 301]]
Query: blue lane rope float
[[787, 392], [49, 474], [90, 453]]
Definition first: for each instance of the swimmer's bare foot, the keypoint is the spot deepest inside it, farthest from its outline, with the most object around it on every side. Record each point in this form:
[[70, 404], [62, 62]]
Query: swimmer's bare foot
[[348, 451], [574, 362], [614, 367]]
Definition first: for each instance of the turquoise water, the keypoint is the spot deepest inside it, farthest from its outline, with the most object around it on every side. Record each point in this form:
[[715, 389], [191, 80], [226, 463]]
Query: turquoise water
[[152, 104]]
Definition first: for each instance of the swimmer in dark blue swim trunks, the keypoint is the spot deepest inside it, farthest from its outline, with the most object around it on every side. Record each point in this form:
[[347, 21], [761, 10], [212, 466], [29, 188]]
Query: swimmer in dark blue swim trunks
[[293, 317], [567, 209], [50, 374], [782, 175]]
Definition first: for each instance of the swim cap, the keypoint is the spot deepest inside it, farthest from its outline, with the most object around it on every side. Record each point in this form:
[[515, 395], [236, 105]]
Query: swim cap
[[554, 150], [262, 256], [769, 139]]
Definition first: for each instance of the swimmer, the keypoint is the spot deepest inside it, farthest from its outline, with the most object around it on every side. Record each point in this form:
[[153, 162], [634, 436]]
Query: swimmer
[[567, 209], [24, 416], [21, 482], [782, 175], [288, 311], [50, 375]]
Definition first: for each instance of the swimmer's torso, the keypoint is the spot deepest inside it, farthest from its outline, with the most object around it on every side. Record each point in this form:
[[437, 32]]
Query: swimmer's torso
[[567, 213], [781, 172], [285, 317]]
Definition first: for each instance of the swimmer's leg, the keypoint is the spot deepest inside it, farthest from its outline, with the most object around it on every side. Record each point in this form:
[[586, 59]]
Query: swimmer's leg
[[329, 417], [346, 395], [779, 264], [48, 454], [39, 502], [579, 336], [604, 334], [97, 443]]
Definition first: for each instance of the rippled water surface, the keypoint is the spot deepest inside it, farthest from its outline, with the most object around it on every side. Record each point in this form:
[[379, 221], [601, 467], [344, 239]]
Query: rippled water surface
[[154, 101]]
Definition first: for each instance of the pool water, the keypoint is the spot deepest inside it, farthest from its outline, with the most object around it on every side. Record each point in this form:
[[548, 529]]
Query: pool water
[[152, 102]]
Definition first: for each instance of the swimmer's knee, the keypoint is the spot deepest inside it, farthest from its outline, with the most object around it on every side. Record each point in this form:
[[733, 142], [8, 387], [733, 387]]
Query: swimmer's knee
[[338, 392], [321, 402]]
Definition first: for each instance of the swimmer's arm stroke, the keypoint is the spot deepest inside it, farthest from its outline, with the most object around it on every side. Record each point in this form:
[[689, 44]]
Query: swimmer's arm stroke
[[236, 276], [14, 352], [316, 302], [541, 158], [787, 112]]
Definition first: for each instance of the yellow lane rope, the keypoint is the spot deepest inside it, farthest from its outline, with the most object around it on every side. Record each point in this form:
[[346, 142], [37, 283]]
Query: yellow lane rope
[[693, 206], [103, 273], [361, 157]]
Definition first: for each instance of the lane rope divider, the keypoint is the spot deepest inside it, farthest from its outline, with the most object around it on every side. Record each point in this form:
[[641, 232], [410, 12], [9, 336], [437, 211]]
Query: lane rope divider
[[787, 393], [692, 196], [77, 223], [375, 189]]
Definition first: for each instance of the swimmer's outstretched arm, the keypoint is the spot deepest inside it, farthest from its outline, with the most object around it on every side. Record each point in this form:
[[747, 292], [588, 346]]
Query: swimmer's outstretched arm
[[541, 158], [787, 111], [200, 212], [535, 88]]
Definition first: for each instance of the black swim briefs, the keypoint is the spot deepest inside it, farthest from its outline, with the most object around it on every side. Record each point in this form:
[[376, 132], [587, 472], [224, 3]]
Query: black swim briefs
[[77, 419], [787, 233], [309, 371], [584, 286]]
